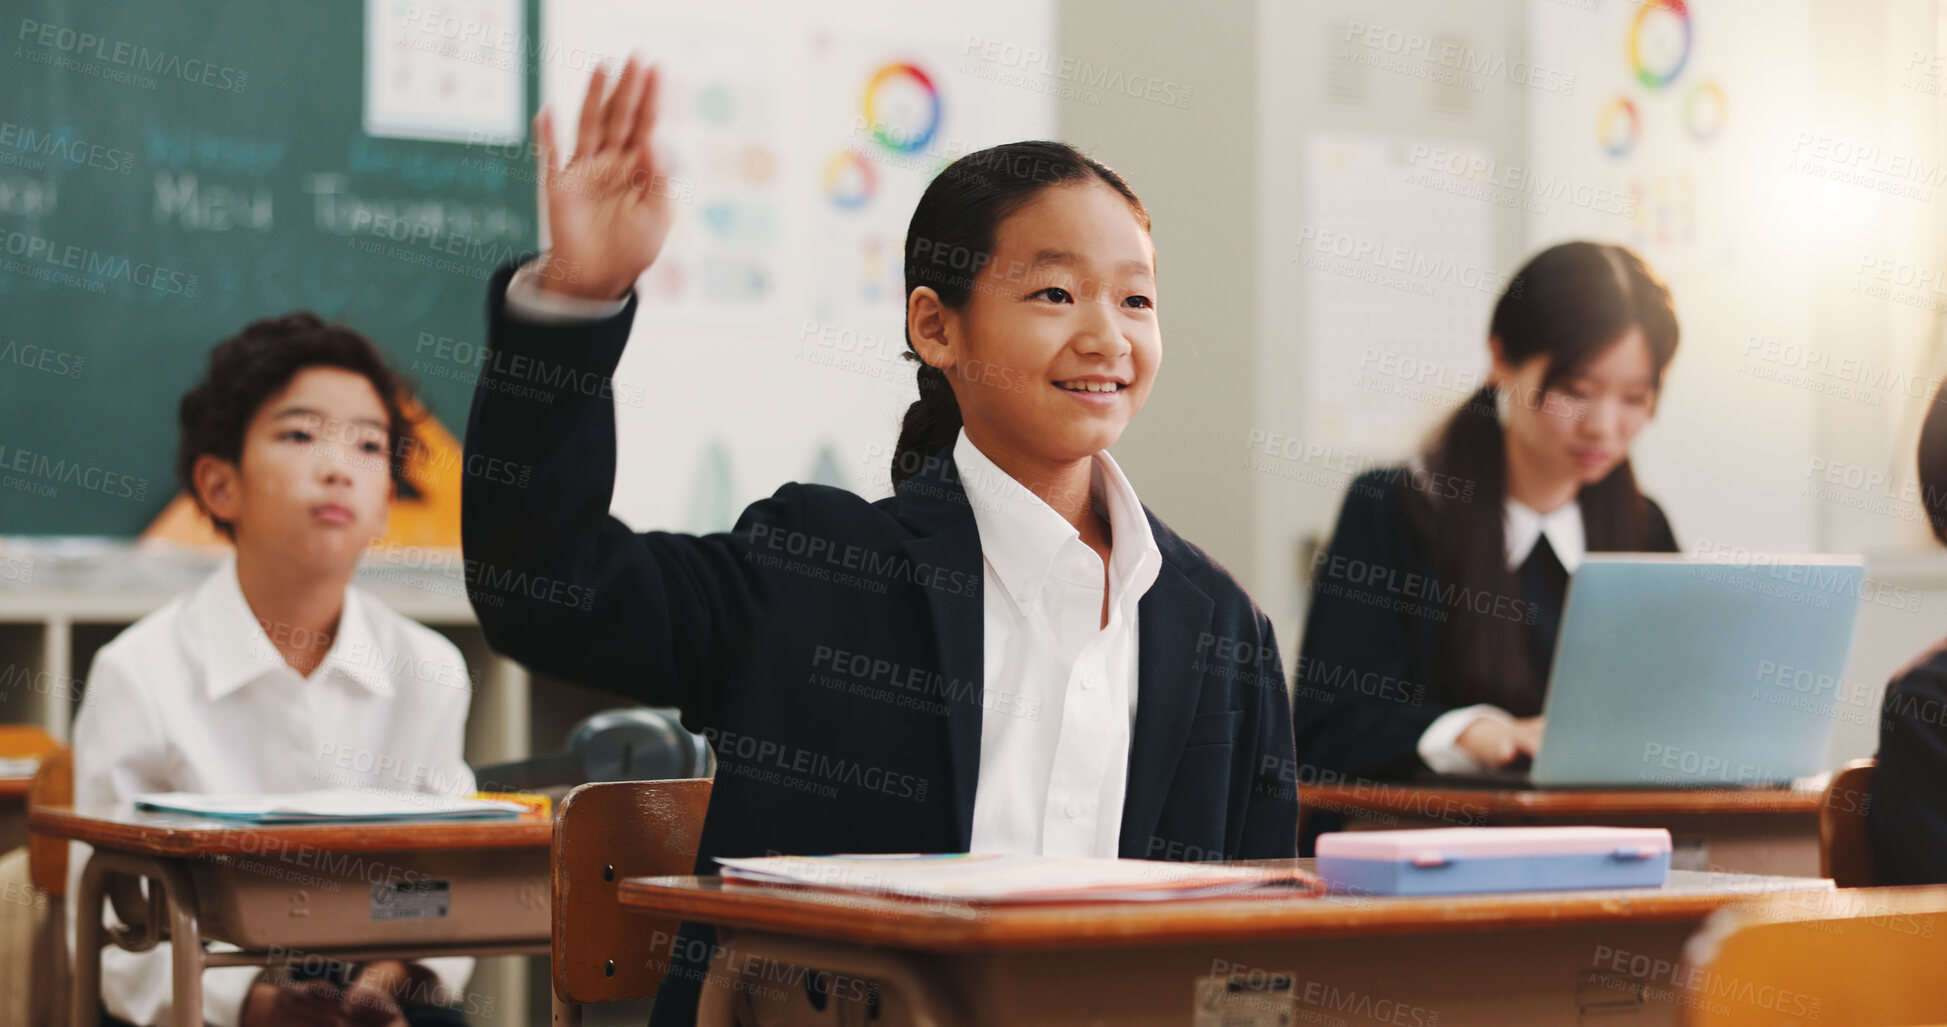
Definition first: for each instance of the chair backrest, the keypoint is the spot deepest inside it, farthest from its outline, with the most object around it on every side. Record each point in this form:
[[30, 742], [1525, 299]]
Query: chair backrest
[[603, 833], [18, 741], [47, 858], [1845, 850], [1864, 957]]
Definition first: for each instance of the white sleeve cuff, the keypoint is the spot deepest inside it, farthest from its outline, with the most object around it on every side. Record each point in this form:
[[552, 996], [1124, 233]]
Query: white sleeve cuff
[[453, 972], [1440, 742], [529, 302]]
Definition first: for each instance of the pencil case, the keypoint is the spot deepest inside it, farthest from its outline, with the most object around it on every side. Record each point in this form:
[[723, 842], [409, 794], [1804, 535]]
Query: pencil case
[[1461, 860]]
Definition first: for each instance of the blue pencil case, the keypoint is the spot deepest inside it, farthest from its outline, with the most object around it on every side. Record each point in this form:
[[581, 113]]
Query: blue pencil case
[[1462, 860]]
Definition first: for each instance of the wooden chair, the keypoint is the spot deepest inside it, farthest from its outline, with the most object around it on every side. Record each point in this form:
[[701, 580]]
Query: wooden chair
[[1863, 957], [1845, 850], [603, 833], [47, 868], [47, 858], [19, 741]]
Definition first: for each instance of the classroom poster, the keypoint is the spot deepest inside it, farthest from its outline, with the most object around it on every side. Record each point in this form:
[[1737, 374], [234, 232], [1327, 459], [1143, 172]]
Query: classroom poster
[[767, 348]]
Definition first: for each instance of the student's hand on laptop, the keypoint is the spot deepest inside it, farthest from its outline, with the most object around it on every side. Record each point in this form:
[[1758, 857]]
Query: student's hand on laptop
[[297, 1004], [373, 999], [1496, 742], [608, 208]]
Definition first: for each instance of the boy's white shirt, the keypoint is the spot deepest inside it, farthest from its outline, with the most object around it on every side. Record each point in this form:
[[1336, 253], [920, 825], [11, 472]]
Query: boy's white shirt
[[195, 697]]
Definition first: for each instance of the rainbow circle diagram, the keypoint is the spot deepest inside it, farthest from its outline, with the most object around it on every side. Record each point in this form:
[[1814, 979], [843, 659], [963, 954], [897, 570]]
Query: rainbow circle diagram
[[1703, 111], [849, 180], [1618, 127], [1659, 42], [898, 86]]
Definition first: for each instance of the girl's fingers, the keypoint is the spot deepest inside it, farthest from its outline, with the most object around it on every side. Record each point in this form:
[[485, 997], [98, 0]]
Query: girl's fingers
[[622, 105], [588, 136], [543, 133], [643, 124]]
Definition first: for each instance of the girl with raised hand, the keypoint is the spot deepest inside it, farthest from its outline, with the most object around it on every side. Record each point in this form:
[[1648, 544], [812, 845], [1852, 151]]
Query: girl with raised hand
[[1010, 654]]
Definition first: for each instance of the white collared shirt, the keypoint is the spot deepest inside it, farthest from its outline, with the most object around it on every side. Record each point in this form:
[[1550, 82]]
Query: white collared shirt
[[1060, 689], [195, 698], [1439, 744], [1563, 526]]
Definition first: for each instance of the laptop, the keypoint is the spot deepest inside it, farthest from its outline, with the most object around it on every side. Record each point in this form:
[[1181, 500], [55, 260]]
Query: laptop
[[1676, 671]]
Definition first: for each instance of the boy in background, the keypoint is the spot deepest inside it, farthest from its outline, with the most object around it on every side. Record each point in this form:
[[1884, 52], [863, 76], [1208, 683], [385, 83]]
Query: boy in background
[[293, 443]]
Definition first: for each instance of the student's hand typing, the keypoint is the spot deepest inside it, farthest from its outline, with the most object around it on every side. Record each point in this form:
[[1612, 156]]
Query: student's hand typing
[[299, 1004], [1495, 742], [373, 999], [609, 207]]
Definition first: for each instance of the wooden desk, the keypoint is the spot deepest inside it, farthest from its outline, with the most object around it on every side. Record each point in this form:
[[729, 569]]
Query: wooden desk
[[1544, 957], [1735, 830], [336, 891]]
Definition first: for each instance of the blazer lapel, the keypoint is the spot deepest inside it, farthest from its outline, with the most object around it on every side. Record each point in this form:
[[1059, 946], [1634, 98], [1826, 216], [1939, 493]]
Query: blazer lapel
[[934, 504], [1170, 617]]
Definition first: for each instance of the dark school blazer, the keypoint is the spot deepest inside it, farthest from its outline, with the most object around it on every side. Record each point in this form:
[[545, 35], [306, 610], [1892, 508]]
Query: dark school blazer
[[830, 648], [1906, 817], [1372, 672]]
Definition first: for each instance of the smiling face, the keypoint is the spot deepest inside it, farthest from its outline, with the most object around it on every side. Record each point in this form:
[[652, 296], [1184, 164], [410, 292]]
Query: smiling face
[[1581, 428], [1058, 345], [313, 485]]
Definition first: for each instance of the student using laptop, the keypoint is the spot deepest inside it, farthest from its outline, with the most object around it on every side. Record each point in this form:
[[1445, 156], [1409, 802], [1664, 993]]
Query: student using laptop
[[1907, 816], [1435, 606], [293, 444]]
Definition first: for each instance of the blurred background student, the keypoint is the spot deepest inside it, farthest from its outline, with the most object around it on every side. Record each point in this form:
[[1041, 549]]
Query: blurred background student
[[1907, 815], [1435, 606]]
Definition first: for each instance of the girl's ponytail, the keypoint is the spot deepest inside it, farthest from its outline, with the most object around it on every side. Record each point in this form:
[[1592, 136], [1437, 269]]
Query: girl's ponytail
[[931, 423]]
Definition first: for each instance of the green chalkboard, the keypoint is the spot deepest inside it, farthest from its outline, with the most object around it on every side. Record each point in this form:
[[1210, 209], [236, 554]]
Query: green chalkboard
[[173, 169]]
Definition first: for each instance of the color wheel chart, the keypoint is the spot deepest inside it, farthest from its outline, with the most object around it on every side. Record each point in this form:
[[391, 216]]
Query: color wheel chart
[[768, 340], [1664, 95]]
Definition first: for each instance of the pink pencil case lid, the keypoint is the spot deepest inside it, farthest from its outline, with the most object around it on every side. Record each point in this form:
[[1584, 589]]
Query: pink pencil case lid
[[1448, 843]]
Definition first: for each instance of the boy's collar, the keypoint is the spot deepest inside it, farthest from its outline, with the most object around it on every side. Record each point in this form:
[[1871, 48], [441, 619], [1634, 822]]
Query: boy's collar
[[237, 651]]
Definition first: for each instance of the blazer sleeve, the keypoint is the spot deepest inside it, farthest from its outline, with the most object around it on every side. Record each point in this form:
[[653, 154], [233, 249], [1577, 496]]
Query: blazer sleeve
[[1271, 809], [557, 582], [1906, 819], [1356, 712]]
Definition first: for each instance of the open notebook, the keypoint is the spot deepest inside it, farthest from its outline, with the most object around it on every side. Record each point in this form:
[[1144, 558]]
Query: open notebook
[[998, 878], [328, 805]]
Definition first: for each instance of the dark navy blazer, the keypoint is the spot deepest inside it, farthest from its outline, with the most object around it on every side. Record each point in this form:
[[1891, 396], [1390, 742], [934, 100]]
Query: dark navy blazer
[[832, 649]]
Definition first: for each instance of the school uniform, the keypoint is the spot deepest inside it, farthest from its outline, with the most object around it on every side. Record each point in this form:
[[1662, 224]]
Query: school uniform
[[1373, 689], [880, 677], [196, 698], [1906, 817]]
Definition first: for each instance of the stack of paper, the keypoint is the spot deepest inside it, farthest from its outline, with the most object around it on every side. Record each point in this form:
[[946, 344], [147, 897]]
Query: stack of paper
[[328, 804], [997, 878], [19, 766]]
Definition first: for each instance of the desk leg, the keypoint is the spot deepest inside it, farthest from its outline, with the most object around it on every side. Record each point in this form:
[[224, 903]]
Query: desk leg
[[84, 998], [186, 944], [185, 935], [926, 990]]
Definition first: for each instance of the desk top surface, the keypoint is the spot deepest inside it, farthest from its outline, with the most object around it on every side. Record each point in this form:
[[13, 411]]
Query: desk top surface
[[949, 926], [163, 834], [1446, 802]]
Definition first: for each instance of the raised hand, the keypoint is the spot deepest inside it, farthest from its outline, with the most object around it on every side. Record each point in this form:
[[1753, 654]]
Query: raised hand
[[609, 207]]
